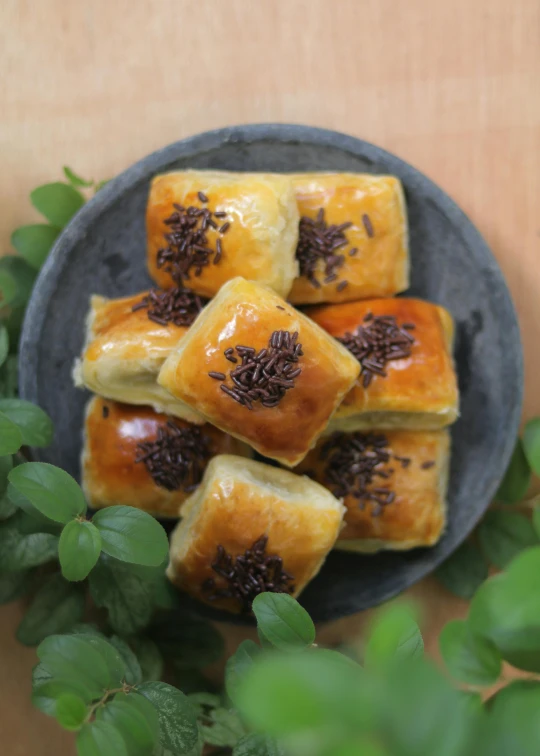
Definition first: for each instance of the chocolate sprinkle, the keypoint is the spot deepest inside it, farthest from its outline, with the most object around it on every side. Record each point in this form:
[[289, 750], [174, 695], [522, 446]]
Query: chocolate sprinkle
[[319, 241], [376, 344], [353, 461], [177, 458], [105, 411], [368, 225], [264, 376], [178, 306], [248, 575], [427, 465], [188, 248]]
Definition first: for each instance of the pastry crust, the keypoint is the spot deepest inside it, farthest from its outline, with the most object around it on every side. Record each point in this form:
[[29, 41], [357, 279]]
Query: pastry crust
[[238, 502], [110, 474], [380, 267], [260, 242], [417, 515], [124, 353], [245, 313], [419, 391]]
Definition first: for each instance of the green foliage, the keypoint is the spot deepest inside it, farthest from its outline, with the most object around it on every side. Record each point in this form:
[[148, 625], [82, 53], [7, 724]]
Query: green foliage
[[394, 634], [536, 521], [79, 548], [13, 585], [187, 641], [179, 732], [149, 658], [4, 344], [284, 623], [464, 571], [470, 659], [238, 665], [503, 535], [34, 424], [70, 711], [531, 444], [263, 745], [132, 671], [58, 202], [100, 738], [18, 550], [132, 535], [135, 719], [34, 242], [50, 490], [6, 464], [517, 477], [16, 281], [56, 607], [10, 436], [76, 180]]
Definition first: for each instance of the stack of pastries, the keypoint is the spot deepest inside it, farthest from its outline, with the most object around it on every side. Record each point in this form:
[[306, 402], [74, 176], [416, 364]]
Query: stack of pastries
[[212, 383]]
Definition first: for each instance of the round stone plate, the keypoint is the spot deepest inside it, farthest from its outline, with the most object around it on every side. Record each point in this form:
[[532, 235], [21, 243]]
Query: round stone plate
[[103, 251]]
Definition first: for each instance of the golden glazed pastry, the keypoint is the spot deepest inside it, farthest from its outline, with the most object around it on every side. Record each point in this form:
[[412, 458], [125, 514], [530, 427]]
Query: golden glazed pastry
[[374, 245], [287, 522], [255, 234], [419, 389], [177, 454], [125, 350], [236, 368], [400, 480]]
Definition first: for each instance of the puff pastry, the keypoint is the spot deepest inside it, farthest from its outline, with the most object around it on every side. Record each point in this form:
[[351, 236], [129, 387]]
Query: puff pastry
[[400, 479], [124, 353], [419, 390], [372, 250], [279, 407], [111, 474], [288, 524], [255, 235]]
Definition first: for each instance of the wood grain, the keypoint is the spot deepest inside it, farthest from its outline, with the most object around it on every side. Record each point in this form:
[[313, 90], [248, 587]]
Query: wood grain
[[450, 87]]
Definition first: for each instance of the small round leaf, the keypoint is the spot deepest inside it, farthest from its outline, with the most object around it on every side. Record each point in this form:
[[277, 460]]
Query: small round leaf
[[531, 444], [469, 659], [394, 635], [283, 621], [73, 658], [177, 719], [101, 739], [35, 425], [70, 711], [19, 277], [57, 202], [517, 477], [4, 344], [464, 571], [34, 242], [54, 609], [131, 535], [238, 665], [132, 672], [8, 288], [13, 585], [74, 179], [536, 521], [6, 465], [148, 657], [503, 535], [50, 490], [19, 551], [10, 436], [135, 719], [79, 548]]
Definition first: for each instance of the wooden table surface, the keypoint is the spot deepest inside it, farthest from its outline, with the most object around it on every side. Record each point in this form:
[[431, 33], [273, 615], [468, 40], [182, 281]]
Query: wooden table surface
[[451, 87]]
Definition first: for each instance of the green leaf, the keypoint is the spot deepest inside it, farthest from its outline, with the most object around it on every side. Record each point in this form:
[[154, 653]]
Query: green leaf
[[9, 377], [58, 202], [513, 726], [132, 535], [178, 724], [135, 719], [536, 521], [10, 436], [34, 242], [13, 585], [28, 519], [260, 745], [73, 658], [78, 549], [50, 490], [222, 727], [76, 180], [54, 609], [16, 272], [469, 659], [101, 739], [128, 597], [7, 508], [6, 464], [46, 692], [193, 681], [132, 669], [8, 288], [506, 611], [116, 665], [70, 711], [4, 343], [394, 635], [149, 658], [283, 621], [516, 479], [238, 665], [35, 425], [531, 444], [464, 571], [187, 641], [503, 535], [86, 628], [19, 551]]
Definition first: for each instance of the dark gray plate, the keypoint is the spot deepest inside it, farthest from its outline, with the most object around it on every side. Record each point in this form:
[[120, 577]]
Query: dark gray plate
[[103, 251]]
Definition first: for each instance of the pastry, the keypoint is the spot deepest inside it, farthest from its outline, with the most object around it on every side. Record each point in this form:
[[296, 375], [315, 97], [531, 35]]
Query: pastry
[[127, 342], [353, 237], [393, 484], [404, 347], [261, 371], [206, 227], [250, 528], [135, 456]]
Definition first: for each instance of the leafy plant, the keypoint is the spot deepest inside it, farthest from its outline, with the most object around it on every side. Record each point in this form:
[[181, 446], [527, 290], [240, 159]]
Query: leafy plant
[[283, 696]]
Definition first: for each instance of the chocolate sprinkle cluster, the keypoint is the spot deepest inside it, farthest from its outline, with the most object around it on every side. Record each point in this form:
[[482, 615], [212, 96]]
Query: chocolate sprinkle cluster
[[353, 461], [377, 342], [188, 247], [319, 241], [178, 306], [248, 574], [263, 376], [177, 458]]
